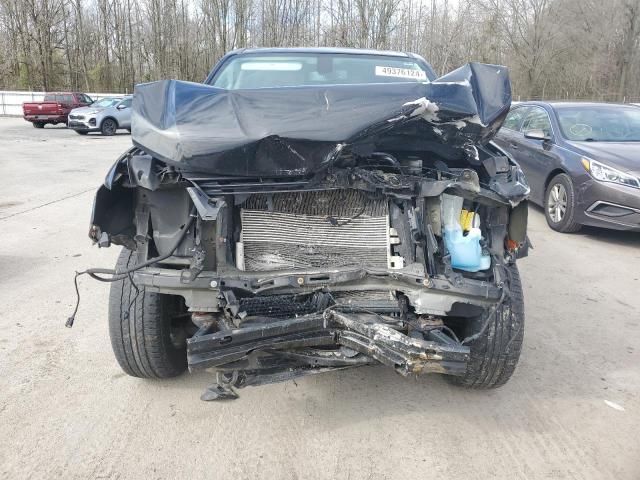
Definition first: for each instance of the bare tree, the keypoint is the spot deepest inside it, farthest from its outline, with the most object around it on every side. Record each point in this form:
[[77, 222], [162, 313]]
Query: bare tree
[[554, 48]]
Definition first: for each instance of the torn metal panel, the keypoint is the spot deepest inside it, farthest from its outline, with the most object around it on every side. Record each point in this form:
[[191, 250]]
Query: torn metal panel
[[300, 130], [364, 334]]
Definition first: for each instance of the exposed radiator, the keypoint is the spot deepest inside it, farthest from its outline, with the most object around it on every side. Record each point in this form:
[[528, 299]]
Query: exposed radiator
[[284, 306], [313, 230]]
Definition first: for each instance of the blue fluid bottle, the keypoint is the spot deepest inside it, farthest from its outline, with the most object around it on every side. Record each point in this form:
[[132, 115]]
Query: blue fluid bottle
[[465, 250]]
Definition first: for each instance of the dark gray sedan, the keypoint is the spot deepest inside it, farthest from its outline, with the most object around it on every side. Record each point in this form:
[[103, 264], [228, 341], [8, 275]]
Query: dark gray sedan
[[582, 161]]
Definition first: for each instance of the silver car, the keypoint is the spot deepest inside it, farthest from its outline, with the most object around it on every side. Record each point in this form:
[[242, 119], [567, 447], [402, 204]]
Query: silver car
[[105, 116]]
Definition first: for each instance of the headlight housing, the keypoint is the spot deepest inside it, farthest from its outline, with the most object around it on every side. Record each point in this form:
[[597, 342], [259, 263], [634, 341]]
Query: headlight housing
[[604, 173]]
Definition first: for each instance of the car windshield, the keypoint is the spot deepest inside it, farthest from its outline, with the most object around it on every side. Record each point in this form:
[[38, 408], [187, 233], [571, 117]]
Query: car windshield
[[601, 123], [105, 102], [282, 70]]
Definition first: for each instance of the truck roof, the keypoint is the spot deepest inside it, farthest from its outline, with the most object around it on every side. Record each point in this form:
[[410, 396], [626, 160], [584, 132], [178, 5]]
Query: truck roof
[[344, 50]]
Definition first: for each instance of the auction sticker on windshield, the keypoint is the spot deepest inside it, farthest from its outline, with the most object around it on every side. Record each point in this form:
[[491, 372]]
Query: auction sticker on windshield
[[400, 72]]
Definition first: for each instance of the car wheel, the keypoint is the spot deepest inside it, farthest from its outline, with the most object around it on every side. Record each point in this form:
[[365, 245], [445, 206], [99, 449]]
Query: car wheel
[[38, 125], [109, 127], [81, 132], [559, 204], [148, 330], [495, 353]]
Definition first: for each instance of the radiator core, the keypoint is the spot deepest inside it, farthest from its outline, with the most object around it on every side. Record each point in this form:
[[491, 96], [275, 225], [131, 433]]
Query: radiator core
[[314, 230]]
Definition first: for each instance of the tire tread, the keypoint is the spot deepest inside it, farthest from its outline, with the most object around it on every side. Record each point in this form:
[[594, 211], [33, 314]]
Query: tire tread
[[495, 354], [139, 331]]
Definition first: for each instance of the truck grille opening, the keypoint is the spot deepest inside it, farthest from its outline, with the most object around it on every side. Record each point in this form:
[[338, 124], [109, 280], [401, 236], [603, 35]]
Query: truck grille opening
[[284, 306], [313, 230]]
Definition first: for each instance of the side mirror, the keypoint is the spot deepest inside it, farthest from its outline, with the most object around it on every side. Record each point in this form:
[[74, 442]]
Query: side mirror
[[121, 107], [536, 135]]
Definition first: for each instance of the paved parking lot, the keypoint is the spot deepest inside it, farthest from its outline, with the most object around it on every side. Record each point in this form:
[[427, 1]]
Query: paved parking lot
[[572, 409]]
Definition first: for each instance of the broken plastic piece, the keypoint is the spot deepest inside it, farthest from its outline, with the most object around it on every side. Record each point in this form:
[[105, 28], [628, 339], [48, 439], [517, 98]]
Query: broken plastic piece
[[218, 392], [104, 240]]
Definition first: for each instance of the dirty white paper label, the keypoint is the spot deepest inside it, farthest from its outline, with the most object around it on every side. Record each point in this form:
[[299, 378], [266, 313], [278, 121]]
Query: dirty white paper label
[[400, 73]]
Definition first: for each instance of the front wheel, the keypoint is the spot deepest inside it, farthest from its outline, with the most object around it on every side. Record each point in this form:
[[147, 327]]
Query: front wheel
[[81, 132], [560, 204], [38, 125], [148, 330], [109, 127], [495, 353]]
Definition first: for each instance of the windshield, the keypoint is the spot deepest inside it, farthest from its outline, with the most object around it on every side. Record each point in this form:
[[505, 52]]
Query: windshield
[[601, 123], [105, 102], [59, 97], [285, 70]]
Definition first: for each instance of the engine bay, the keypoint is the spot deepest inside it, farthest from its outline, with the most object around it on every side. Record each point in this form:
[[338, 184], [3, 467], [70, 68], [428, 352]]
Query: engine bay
[[377, 259], [409, 240]]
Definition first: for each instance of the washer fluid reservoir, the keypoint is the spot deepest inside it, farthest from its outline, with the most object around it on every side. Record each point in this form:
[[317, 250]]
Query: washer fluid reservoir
[[465, 250]]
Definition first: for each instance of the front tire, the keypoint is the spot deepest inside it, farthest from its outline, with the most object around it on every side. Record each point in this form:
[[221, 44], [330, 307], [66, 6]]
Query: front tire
[[495, 353], [108, 127], [81, 132], [560, 204], [147, 334], [38, 125]]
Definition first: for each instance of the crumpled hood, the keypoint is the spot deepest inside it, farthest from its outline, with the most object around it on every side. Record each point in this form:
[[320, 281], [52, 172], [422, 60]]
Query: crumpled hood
[[301, 130]]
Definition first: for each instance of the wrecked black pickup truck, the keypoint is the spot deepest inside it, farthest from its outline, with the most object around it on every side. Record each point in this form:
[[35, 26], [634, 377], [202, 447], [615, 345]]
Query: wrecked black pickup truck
[[309, 210]]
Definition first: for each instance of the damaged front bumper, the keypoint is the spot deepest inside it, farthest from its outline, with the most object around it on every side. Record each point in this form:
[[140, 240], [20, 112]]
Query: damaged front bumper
[[257, 353]]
